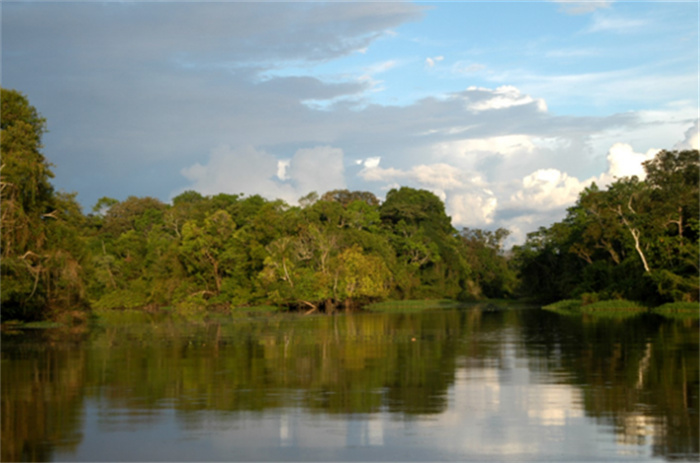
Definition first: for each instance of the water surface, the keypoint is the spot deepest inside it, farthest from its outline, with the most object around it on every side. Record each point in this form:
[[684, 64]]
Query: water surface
[[481, 383]]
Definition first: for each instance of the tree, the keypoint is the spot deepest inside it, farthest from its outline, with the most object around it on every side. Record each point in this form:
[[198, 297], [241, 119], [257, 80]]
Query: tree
[[42, 252], [207, 251], [490, 271], [426, 245], [26, 200], [672, 179], [415, 207], [345, 197], [636, 239]]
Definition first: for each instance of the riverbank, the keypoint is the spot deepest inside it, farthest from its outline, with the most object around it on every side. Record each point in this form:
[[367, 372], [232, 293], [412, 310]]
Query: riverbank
[[621, 308]]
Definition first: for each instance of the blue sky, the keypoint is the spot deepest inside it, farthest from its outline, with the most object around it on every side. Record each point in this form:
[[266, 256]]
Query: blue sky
[[506, 110]]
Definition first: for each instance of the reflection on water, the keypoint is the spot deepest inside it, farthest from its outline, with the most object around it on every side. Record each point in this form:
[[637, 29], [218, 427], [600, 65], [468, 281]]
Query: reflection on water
[[445, 384]]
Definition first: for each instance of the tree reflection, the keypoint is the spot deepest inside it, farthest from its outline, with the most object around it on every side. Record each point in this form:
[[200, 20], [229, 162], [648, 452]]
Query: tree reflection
[[639, 376], [41, 396]]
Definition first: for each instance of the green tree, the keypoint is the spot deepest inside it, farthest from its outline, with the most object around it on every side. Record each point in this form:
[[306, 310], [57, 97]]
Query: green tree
[[428, 250], [490, 270], [672, 179], [636, 239], [207, 251], [40, 263]]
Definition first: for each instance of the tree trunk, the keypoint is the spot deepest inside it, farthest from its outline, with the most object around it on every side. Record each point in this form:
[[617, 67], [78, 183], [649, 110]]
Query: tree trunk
[[635, 235], [637, 246]]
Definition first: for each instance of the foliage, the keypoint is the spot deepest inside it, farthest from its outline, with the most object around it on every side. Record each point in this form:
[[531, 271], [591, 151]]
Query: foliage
[[636, 240], [42, 248], [639, 239], [491, 272], [682, 310]]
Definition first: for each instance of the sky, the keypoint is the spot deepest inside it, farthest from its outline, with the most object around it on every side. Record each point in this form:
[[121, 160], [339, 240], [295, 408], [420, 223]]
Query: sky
[[505, 110]]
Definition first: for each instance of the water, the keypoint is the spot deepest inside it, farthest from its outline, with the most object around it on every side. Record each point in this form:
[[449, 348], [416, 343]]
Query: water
[[516, 384]]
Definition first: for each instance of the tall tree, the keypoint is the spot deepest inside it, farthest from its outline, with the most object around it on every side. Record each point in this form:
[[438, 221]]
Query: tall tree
[[637, 239], [39, 264]]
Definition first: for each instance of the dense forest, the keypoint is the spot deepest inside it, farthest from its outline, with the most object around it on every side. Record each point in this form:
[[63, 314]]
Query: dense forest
[[638, 239], [338, 250]]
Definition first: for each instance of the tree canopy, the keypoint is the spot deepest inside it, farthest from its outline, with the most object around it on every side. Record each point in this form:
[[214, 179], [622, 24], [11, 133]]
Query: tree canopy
[[637, 239]]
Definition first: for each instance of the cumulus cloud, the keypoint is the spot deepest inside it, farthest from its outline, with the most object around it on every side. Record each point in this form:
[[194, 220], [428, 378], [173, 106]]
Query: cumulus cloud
[[543, 196], [370, 162], [624, 162], [546, 189], [435, 176], [503, 145], [253, 171], [692, 138], [236, 170], [474, 209], [317, 169]]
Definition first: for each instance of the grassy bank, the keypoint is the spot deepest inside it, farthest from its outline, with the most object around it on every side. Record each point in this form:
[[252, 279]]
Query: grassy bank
[[620, 308], [683, 310]]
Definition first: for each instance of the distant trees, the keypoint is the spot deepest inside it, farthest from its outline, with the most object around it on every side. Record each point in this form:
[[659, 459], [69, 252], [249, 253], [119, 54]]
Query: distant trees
[[637, 239], [492, 275]]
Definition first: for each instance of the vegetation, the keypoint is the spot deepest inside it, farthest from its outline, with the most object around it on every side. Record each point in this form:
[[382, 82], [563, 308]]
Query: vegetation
[[637, 240], [683, 310], [213, 253]]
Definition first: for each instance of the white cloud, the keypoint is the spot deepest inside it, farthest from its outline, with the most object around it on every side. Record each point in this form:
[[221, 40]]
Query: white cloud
[[282, 167], [430, 62], [546, 189], [543, 196], [474, 209], [370, 162], [506, 145], [232, 170], [624, 162], [318, 169], [615, 24], [439, 176], [383, 66], [630, 87], [658, 128], [505, 96], [252, 171], [549, 189], [692, 138]]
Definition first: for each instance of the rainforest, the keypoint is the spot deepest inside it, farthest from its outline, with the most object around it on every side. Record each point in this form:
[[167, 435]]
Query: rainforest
[[636, 239]]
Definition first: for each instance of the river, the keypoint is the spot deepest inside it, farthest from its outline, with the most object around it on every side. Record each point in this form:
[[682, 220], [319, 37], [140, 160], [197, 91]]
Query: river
[[485, 382]]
